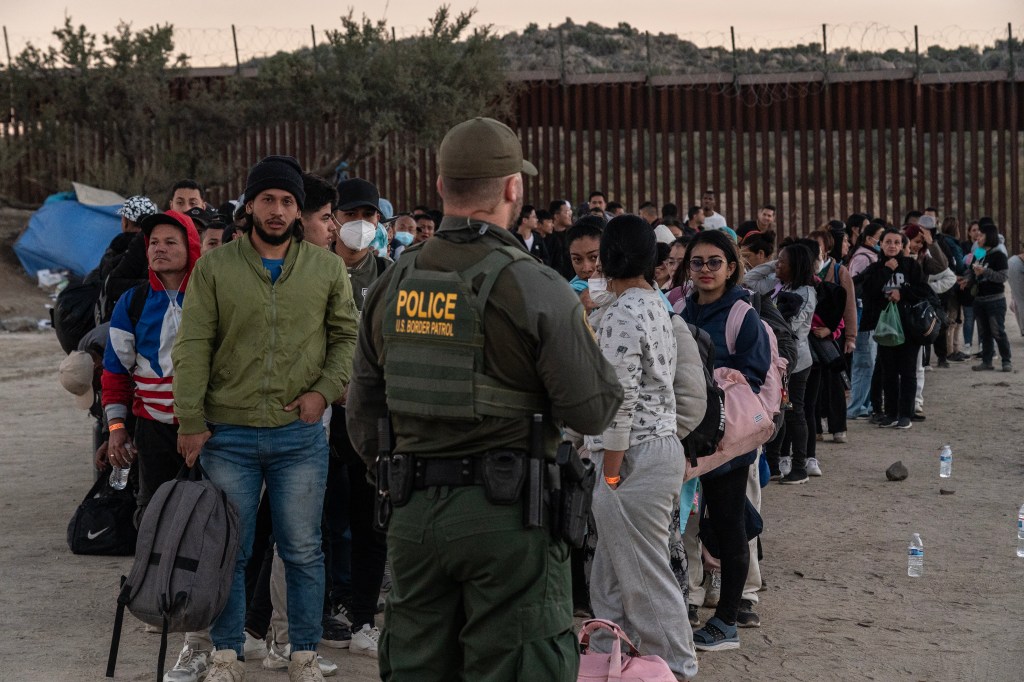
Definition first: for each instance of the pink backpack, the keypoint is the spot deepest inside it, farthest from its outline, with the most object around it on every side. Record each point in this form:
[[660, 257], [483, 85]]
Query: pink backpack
[[749, 416], [628, 667], [774, 380]]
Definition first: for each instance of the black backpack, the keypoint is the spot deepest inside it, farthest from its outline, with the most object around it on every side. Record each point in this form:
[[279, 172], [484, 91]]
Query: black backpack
[[103, 523], [704, 439], [785, 339], [73, 314]]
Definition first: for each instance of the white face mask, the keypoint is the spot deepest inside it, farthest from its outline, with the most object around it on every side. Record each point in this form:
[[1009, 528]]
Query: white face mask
[[599, 293], [358, 234]]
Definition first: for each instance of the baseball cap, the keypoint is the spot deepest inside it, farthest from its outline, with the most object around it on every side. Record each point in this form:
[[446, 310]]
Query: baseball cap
[[201, 215], [664, 235], [179, 220], [356, 193], [137, 207], [482, 148], [76, 372], [927, 222]]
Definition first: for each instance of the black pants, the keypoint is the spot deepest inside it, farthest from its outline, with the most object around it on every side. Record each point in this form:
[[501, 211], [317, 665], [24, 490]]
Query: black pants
[[725, 497], [369, 547], [899, 379], [832, 402], [158, 460], [794, 426], [812, 406], [991, 318], [257, 573], [877, 381]]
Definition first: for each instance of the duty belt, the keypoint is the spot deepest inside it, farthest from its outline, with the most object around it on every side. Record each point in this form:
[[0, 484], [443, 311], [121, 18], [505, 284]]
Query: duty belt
[[449, 471]]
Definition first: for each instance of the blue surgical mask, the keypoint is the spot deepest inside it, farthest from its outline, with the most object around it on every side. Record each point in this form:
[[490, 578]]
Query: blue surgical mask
[[877, 248], [404, 238]]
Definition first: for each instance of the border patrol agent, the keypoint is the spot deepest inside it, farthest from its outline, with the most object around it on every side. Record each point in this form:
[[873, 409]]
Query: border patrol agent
[[465, 338]]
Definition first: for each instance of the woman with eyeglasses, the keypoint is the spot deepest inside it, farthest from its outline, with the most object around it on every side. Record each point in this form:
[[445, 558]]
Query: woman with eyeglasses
[[713, 264]]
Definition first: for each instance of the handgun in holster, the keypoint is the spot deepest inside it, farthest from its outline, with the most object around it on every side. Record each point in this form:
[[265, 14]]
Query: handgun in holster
[[574, 496], [382, 502]]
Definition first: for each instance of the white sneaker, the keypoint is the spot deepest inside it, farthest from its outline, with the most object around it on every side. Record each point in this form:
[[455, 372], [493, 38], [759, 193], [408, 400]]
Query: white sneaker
[[191, 666], [254, 648], [365, 641], [812, 467], [303, 667], [714, 589], [785, 465], [278, 657], [225, 667], [839, 437]]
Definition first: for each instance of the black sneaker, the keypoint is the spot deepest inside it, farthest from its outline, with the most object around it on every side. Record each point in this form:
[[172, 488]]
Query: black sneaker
[[888, 422], [878, 418], [746, 617], [795, 477], [691, 613], [336, 634], [1007, 366], [943, 364], [904, 423], [984, 367]]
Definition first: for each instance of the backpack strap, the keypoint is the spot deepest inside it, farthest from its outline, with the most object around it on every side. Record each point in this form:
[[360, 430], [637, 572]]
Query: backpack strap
[[138, 302], [115, 638], [732, 326], [187, 501]]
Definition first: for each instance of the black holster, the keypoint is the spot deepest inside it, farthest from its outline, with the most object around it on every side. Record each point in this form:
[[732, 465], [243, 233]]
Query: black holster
[[401, 477], [571, 495]]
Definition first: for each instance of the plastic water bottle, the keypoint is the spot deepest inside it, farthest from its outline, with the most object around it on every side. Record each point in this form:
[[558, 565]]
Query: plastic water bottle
[[915, 557], [1020, 532], [946, 462], [119, 478]]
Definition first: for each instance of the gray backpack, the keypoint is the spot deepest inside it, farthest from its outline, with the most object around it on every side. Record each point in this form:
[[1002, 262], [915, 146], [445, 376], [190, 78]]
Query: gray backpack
[[184, 560]]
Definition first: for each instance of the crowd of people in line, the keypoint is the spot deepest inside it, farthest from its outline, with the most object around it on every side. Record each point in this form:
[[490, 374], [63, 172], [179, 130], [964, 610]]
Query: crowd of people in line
[[823, 292]]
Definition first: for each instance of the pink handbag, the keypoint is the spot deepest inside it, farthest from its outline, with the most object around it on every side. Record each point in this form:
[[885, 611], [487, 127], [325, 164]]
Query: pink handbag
[[628, 667]]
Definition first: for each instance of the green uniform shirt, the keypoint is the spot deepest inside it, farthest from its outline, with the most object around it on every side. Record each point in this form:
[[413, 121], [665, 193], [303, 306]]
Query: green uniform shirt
[[536, 340]]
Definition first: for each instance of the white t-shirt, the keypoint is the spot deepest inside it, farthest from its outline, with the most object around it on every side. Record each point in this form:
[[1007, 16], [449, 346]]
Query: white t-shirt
[[716, 221]]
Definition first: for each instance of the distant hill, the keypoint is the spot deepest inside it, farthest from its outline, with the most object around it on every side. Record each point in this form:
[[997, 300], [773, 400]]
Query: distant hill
[[592, 48]]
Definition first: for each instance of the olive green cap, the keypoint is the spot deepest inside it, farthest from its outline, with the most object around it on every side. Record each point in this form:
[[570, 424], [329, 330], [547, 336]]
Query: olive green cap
[[482, 148]]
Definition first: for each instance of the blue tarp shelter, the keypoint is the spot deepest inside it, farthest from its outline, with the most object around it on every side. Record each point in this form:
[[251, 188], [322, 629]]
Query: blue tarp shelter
[[67, 234]]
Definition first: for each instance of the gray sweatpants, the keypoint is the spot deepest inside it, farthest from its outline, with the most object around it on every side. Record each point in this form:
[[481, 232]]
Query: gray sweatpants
[[631, 582]]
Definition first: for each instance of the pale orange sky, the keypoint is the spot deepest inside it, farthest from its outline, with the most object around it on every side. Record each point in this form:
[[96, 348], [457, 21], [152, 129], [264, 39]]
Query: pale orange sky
[[264, 27]]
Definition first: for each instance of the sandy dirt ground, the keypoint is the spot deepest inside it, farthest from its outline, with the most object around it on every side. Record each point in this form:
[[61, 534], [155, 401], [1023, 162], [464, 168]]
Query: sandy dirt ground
[[839, 604]]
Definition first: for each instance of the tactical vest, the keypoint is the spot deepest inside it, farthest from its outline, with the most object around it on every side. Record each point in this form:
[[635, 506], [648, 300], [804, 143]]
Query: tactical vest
[[434, 343]]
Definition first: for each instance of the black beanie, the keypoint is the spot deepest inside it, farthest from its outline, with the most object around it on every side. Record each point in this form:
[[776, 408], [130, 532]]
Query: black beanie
[[276, 172]]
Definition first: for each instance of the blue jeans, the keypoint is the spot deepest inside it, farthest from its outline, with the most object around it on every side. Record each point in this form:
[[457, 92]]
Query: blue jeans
[[862, 366], [968, 324], [292, 461]]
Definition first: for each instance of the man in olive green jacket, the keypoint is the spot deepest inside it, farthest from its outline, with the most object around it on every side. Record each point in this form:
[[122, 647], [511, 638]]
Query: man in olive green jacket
[[266, 343]]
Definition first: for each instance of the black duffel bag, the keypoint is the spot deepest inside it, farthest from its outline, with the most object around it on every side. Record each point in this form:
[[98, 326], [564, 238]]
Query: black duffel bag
[[103, 523]]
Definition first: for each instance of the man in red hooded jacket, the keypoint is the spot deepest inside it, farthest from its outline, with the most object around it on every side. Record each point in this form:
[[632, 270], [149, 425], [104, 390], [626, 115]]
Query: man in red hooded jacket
[[137, 368]]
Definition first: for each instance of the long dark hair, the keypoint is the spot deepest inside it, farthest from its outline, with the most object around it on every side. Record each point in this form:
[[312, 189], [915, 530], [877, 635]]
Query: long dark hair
[[801, 265], [628, 248], [722, 242]]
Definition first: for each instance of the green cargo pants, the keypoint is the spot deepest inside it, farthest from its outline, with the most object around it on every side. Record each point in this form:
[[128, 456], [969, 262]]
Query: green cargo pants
[[475, 595]]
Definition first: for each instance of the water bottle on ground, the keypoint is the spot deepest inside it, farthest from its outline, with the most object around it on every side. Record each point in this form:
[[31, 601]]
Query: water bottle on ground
[[1020, 532], [946, 462], [915, 557]]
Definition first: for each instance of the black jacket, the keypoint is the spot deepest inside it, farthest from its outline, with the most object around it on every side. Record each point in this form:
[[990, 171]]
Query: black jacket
[[907, 276]]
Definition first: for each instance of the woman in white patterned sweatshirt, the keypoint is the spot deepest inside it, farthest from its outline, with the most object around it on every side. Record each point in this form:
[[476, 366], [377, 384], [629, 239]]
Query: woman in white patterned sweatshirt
[[640, 457]]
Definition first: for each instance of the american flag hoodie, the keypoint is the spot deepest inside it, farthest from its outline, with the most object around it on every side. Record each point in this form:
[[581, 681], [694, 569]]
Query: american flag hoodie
[[137, 367]]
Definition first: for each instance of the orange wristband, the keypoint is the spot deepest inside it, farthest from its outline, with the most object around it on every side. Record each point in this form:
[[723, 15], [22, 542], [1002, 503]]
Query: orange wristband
[[612, 480], [115, 427]]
